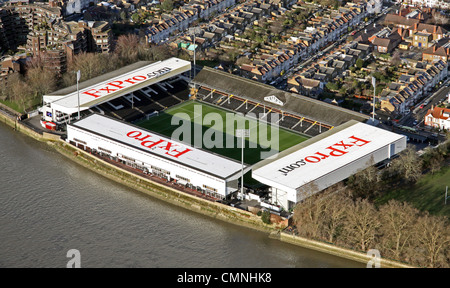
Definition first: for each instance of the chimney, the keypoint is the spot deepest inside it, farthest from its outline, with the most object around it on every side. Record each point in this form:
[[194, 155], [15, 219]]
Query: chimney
[[435, 29], [434, 48], [415, 26]]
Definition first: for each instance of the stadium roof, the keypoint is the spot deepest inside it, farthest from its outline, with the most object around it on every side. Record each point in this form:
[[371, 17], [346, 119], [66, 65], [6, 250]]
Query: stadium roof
[[335, 149], [115, 84], [258, 92], [156, 144]]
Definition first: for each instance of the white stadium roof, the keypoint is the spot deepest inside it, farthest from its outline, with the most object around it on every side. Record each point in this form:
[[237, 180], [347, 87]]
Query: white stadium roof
[[118, 86], [161, 146], [317, 157]]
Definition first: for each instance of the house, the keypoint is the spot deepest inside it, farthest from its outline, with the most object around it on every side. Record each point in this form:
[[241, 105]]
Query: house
[[422, 39], [400, 21], [305, 86], [437, 32], [438, 118], [386, 45], [435, 53]]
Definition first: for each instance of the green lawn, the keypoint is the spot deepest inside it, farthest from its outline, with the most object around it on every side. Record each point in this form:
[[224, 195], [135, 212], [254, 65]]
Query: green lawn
[[191, 111], [253, 149], [12, 105], [426, 195]]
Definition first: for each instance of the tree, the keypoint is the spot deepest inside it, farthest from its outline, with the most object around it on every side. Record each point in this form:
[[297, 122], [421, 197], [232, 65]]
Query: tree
[[432, 241], [123, 15], [333, 220], [366, 182], [397, 221], [127, 48], [408, 165], [136, 19], [265, 217], [361, 225], [90, 65], [440, 19], [359, 63], [332, 86], [159, 52], [309, 211], [243, 60], [308, 217], [40, 79], [276, 26], [18, 91], [395, 59], [167, 5]]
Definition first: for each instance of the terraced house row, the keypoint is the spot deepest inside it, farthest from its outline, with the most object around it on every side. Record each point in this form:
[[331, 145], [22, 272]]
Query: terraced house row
[[311, 81], [321, 31], [180, 19], [400, 96]]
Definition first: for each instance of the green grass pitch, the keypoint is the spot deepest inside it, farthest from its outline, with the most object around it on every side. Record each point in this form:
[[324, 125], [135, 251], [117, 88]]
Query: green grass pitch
[[195, 112]]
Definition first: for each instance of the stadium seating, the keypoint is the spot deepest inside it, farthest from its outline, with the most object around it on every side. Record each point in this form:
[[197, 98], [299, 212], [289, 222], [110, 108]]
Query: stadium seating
[[230, 103]]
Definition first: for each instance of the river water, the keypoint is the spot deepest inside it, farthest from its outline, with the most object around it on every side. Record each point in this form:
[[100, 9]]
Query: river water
[[49, 205]]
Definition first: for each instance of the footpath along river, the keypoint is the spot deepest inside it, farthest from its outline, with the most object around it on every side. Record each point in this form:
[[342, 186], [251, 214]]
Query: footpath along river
[[49, 205]]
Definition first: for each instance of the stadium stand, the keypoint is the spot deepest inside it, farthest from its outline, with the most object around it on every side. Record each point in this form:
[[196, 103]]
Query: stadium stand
[[324, 116]]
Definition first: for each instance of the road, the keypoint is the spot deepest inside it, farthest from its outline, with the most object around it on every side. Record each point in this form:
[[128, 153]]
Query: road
[[418, 113]]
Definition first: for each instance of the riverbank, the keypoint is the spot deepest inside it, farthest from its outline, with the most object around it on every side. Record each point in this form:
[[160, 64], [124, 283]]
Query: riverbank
[[192, 203]]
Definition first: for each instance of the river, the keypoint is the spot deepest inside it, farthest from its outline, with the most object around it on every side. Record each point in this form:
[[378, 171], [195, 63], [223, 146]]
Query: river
[[49, 205]]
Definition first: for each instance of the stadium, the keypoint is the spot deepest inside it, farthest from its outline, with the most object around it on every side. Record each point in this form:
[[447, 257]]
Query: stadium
[[153, 119]]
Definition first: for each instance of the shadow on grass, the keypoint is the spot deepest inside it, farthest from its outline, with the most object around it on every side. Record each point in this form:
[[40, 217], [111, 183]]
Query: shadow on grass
[[428, 194]]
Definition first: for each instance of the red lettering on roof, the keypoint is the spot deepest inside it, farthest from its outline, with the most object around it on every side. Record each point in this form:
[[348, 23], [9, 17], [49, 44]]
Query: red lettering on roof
[[167, 146]]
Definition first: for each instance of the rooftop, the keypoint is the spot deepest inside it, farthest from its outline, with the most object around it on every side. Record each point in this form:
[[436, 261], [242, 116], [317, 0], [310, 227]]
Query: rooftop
[[306, 107], [184, 154], [360, 140]]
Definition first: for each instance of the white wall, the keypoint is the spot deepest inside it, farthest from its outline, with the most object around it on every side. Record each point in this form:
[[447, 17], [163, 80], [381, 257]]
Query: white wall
[[197, 178], [281, 197]]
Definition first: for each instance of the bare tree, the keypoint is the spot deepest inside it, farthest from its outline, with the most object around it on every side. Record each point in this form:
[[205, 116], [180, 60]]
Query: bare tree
[[243, 60], [440, 19], [395, 59], [309, 211], [361, 224], [41, 80], [408, 166], [432, 240], [365, 182], [160, 52], [276, 27], [333, 220], [397, 221], [18, 91], [127, 48]]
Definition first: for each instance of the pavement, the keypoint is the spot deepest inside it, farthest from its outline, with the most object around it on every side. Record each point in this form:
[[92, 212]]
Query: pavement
[[35, 124]]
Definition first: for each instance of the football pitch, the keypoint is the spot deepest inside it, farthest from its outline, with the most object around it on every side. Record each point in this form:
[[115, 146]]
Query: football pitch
[[214, 129]]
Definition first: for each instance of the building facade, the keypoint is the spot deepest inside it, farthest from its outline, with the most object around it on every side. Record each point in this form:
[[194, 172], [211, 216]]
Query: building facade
[[437, 117]]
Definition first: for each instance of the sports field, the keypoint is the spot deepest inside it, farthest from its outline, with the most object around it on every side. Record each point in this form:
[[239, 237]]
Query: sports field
[[213, 129]]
